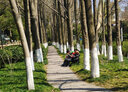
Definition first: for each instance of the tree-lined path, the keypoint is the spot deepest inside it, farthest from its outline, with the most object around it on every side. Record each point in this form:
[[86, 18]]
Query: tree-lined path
[[63, 78]]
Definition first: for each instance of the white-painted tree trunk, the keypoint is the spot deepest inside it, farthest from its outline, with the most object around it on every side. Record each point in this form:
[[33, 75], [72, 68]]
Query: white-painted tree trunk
[[86, 59], [32, 61], [72, 48], [29, 73], [68, 45], [78, 46], [119, 51], [58, 45], [104, 50], [45, 45], [95, 72], [61, 48], [127, 55], [39, 55], [98, 50], [53, 43], [65, 49], [110, 53]]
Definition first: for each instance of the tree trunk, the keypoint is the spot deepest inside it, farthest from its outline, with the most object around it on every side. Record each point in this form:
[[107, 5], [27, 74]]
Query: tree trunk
[[18, 20], [44, 31], [35, 31], [76, 24], [95, 72], [85, 36], [95, 14], [103, 31], [99, 23], [60, 28], [28, 29], [69, 25], [119, 48], [109, 30]]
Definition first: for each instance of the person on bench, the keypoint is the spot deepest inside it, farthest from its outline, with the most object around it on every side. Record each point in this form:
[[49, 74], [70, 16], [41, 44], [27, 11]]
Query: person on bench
[[68, 59], [75, 57]]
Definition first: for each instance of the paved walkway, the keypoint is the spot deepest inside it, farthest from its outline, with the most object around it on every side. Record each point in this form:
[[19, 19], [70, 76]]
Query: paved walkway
[[63, 78]]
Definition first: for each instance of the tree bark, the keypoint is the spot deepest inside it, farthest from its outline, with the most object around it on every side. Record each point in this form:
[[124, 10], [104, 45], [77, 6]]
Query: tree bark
[[69, 25], [18, 20], [103, 31], [85, 36], [28, 29], [119, 48], [60, 28], [99, 23], [35, 31], [109, 30], [76, 24], [95, 72]]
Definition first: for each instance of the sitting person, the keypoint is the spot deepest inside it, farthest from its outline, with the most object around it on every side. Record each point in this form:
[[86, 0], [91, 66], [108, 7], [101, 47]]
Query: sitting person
[[68, 59], [75, 57]]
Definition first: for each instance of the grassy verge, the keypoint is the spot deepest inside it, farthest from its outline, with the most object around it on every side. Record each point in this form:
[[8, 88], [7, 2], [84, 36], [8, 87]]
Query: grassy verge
[[13, 79], [114, 75]]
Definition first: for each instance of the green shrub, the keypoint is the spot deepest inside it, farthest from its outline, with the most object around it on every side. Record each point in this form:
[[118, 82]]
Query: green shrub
[[10, 54], [45, 51]]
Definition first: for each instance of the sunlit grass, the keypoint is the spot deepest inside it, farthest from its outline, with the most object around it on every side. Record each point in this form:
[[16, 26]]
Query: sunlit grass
[[13, 79], [113, 74]]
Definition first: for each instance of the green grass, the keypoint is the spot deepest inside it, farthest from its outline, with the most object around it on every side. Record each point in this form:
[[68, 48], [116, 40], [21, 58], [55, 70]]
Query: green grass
[[13, 79], [113, 74]]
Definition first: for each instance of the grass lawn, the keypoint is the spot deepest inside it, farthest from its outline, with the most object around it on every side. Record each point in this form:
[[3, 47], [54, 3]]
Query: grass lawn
[[114, 75], [13, 79]]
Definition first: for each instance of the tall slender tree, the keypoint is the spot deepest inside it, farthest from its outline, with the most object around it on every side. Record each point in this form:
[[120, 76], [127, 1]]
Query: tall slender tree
[[28, 29], [69, 25], [103, 30], [99, 23], [109, 30], [119, 48], [60, 28], [35, 30], [76, 24], [85, 36], [95, 71], [18, 20]]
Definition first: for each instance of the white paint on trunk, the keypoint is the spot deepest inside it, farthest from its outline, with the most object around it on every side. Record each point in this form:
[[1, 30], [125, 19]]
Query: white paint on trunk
[[110, 53], [29, 73], [58, 45], [53, 43], [98, 50], [86, 59], [127, 55], [104, 50], [95, 71], [32, 61], [119, 51], [78, 46], [61, 48], [65, 50], [68, 45], [72, 48], [45, 45], [39, 55]]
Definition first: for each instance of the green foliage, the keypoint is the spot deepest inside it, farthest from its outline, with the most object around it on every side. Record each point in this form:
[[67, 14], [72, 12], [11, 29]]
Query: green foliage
[[15, 35], [10, 54], [45, 51], [14, 79]]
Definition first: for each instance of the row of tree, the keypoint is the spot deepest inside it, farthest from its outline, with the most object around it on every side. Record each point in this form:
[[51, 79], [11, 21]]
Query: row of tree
[[91, 24], [61, 21]]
